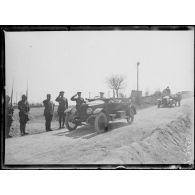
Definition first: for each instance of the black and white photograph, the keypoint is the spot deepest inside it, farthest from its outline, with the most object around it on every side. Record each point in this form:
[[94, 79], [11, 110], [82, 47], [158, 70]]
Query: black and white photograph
[[98, 97]]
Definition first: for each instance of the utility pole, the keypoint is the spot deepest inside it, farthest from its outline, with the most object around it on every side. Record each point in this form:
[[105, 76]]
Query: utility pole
[[138, 63], [16, 98], [27, 91]]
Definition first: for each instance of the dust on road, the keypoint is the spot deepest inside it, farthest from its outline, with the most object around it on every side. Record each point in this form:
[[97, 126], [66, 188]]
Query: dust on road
[[162, 136]]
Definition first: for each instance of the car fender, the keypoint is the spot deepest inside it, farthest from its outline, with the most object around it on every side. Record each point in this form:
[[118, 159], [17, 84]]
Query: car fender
[[97, 110], [68, 110]]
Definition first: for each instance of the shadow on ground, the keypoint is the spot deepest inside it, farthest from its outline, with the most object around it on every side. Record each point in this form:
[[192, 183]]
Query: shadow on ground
[[87, 132]]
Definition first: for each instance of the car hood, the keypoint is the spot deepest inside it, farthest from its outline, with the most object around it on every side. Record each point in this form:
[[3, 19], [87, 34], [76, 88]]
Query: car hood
[[95, 103]]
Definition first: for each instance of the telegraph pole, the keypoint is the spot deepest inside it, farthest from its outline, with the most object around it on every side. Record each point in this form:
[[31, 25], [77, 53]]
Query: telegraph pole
[[138, 63], [16, 98]]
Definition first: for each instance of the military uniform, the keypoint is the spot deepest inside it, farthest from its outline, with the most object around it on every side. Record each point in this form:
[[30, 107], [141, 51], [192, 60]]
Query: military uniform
[[63, 105], [24, 108], [179, 97], [9, 118], [168, 91], [48, 113], [79, 101]]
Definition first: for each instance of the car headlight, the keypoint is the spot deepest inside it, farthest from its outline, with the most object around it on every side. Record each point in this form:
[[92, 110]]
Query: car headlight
[[73, 111], [89, 110]]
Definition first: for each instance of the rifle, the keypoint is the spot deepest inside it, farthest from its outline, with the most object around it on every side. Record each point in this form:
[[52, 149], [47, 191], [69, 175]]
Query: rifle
[[27, 91], [12, 94]]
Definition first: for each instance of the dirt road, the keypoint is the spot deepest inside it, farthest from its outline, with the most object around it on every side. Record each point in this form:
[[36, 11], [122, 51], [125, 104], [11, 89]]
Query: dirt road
[[162, 135]]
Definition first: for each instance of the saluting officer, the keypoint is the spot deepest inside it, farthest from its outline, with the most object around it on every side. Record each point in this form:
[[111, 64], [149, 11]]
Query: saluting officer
[[63, 105], [24, 108], [48, 112], [9, 116], [79, 100]]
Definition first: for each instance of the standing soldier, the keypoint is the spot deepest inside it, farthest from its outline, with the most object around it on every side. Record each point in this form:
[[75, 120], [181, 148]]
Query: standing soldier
[[101, 95], [24, 109], [79, 100], [9, 116], [48, 112], [63, 105], [179, 97]]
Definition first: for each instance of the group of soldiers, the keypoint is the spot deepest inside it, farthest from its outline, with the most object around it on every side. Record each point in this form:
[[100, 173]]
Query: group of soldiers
[[24, 109]]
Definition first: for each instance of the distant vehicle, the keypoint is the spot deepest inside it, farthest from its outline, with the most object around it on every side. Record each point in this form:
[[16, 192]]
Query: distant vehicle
[[166, 101], [99, 112]]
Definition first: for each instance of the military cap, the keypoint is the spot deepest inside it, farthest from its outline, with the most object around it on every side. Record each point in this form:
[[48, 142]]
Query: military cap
[[61, 91], [78, 92], [23, 96]]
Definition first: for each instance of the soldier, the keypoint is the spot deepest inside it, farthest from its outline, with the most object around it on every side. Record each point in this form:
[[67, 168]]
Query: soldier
[[9, 116], [101, 95], [48, 112], [24, 108], [63, 105], [168, 91], [179, 97], [79, 100]]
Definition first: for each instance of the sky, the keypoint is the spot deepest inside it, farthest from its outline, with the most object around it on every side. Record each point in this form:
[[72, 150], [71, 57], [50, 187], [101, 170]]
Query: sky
[[74, 61]]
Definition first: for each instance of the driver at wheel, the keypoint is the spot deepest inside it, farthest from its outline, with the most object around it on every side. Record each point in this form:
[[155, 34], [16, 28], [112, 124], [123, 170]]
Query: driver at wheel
[[79, 100]]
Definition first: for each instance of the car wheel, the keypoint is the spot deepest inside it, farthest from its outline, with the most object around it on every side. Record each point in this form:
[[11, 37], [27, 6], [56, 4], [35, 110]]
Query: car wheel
[[101, 122], [69, 124]]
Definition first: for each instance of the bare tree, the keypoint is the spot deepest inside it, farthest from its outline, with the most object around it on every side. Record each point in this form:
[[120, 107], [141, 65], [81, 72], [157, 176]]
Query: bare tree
[[116, 82]]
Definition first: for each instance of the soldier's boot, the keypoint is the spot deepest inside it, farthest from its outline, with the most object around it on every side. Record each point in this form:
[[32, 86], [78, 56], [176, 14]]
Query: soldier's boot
[[21, 129], [25, 133], [49, 126], [60, 126], [63, 118], [46, 126]]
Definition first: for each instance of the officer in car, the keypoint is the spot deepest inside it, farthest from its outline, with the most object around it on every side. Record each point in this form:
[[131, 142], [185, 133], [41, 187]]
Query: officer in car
[[168, 91], [101, 95]]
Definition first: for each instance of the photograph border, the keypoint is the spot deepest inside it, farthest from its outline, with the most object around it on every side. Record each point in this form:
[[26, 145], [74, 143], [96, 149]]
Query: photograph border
[[25, 28]]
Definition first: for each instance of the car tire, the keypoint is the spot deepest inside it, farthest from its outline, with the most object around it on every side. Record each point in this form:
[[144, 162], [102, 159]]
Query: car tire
[[69, 125], [101, 122]]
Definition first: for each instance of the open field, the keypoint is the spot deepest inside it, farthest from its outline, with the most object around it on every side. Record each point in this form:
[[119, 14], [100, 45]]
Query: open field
[[163, 136]]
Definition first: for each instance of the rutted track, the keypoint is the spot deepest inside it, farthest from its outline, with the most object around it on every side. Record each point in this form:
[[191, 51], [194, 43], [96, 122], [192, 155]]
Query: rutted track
[[157, 136]]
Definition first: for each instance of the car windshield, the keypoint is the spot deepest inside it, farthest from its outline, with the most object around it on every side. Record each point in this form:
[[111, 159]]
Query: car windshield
[[95, 102]]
